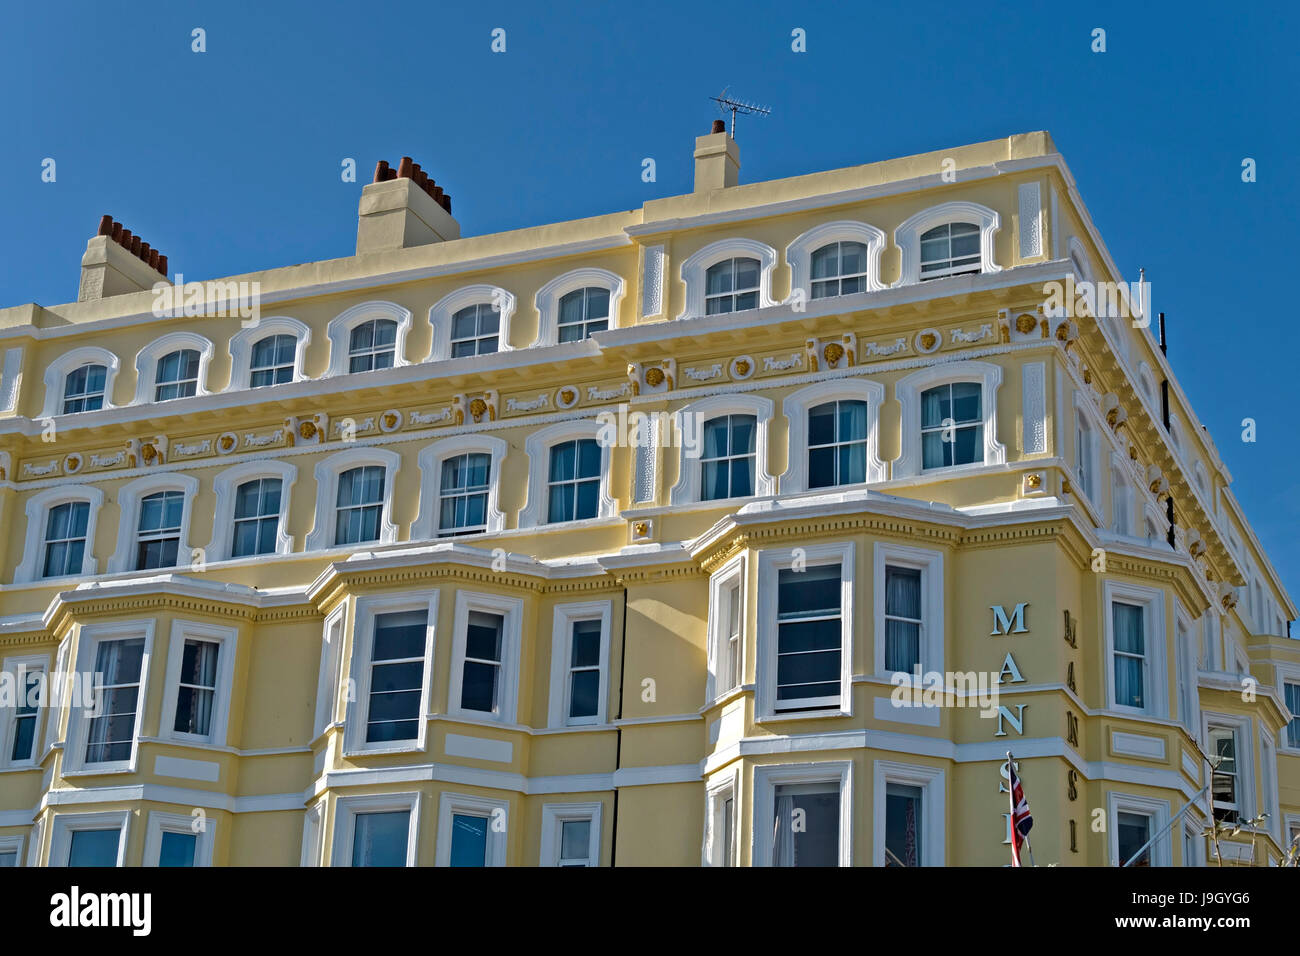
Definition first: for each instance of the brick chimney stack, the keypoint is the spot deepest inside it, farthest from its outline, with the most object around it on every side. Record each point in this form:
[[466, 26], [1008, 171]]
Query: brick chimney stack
[[117, 262], [402, 208]]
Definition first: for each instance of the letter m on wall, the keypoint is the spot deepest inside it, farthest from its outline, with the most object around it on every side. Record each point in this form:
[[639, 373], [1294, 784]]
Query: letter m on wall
[[1015, 624]]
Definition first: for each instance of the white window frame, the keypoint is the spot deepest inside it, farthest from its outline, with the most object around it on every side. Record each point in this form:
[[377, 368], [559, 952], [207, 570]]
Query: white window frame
[[768, 777], [1193, 829], [771, 561], [55, 714], [321, 536], [796, 407], [1157, 810], [227, 639], [1121, 487], [65, 824], [38, 509], [1268, 783], [724, 786], [88, 640], [146, 364], [1186, 669], [346, 810], [735, 573], [14, 845], [450, 804], [243, 341], [696, 265], [440, 316], [908, 392], [339, 333], [512, 609], [1155, 673], [129, 497], [313, 833], [57, 372], [907, 236], [688, 488], [799, 253], [930, 564], [333, 636], [548, 299], [564, 617], [367, 610], [554, 816], [537, 448], [1287, 674], [159, 823], [1243, 728], [932, 782], [425, 527], [27, 664], [226, 486], [1088, 470]]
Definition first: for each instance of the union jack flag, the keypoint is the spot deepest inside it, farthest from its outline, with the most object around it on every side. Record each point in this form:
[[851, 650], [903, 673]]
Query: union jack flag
[[1021, 821]]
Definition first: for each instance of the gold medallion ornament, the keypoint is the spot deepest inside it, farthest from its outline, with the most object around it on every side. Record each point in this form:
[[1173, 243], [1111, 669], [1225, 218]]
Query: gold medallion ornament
[[227, 443], [307, 429], [1025, 323], [654, 377], [71, 464], [477, 407], [833, 353]]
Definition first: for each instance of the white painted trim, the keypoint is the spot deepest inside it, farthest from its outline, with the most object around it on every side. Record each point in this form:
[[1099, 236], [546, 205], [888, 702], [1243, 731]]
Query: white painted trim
[[441, 313], [346, 810], [1087, 414], [562, 622], [57, 372], [771, 561], [497, 813], [425, 527], [13, 844], [799, 252], [554, 816], [735, 571], [38, 510], [796, 406], [934, 808], [908, 392], [696, 265], [1143, 746], [65, 823], [146, 364], [227, 483], [907, 236], [339, 333], [1155, 670], [227, 638], [768, 777], [537, 448], [129, 497], [930, 563], [89, 637], [331, 663], [1157, 810], [19, 666], [1244, 728], [313, 835], [328, 471], [512, 610], [687, 489], [548, 298], [357, 711], [158, 822], [243, 341]]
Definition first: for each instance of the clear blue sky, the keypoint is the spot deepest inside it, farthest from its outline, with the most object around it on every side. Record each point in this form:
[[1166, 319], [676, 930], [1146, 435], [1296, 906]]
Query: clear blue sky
[[228, 161]]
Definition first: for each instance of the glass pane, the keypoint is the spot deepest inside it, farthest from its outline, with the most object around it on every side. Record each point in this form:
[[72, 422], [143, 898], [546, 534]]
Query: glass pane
[[468, 840], [575, 839], [177, 849], [379, 839], [815, 841], [902, 825], [812, 591], [93, 848]]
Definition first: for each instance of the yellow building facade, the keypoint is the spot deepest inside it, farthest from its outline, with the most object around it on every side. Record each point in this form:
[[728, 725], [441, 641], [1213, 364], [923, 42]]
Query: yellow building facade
[[605, 543]]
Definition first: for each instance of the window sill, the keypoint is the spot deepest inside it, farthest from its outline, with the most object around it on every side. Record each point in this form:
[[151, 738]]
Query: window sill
[[781, 716]]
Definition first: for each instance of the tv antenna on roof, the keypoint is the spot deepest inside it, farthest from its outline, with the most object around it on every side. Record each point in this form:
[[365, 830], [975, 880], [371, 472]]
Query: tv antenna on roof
[[726, 103]]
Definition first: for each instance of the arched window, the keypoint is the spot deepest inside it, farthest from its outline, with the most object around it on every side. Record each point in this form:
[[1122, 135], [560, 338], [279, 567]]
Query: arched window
[[459, 482], [60, 532], [839, 269], [952, 425], [372, 345], [837, 444], [582, 312], [177, 375], [573, 481], [272, 362], [65, 539], [727, 457], [475, 330], [731, 285], [83, 389], [257, 518], [952, 249], [359, 505], [463, 494], [1121, 501], [158, 533]]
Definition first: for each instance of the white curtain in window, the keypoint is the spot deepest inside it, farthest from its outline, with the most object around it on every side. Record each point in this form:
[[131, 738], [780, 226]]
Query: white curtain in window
[[783, 831], [1129, 651]]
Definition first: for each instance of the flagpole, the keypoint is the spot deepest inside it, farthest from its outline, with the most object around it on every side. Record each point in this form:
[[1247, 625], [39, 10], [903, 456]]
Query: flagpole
[[1031, 852]]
